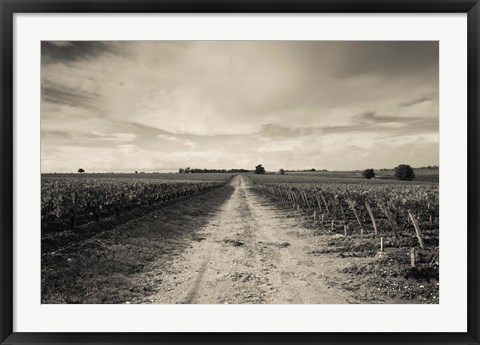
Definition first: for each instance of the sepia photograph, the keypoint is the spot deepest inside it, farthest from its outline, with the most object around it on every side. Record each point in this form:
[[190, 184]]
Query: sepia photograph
[[240, 172]]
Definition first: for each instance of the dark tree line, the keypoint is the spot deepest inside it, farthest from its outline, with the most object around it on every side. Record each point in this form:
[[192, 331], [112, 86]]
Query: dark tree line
[[197, 171]]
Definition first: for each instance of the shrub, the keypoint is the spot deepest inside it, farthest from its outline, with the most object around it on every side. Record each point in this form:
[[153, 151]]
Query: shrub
[[404, 172], [368, 173], [259, 169]]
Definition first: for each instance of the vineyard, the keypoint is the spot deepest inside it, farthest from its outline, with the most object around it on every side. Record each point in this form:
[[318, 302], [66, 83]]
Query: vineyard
[[397, 223], [391, 208], [68, 201], [377, 240]]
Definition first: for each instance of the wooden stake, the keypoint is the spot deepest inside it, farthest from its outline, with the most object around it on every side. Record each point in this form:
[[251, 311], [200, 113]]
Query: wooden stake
[[325, 202], [381, 244], [345, 230], [306, 199], [319, 203], [412, 257], [370, 212], [334, 208], [352, 206], [435, 257], [314, 214], [417, 230], [343, 212], [332, 224], [393, 224]]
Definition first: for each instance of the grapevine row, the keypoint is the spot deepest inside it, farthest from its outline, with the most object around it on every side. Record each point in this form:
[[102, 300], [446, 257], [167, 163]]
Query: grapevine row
[[69, 202], [397, 209]]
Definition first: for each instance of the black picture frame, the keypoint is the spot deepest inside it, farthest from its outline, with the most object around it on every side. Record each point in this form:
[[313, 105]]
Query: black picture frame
[[9, 8]]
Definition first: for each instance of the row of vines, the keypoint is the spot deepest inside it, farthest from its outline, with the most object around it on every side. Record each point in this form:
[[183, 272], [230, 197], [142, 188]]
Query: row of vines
[[67, 202], [400, 210]]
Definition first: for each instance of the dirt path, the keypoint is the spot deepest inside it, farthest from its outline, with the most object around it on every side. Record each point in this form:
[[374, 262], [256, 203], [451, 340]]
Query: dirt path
[[248, 253]]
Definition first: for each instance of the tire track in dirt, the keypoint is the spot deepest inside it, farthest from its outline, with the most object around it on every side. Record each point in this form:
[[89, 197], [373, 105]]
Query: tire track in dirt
[[193, 293], [249, 253]]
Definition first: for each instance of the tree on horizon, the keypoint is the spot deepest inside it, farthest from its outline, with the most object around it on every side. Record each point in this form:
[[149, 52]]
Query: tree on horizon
[[404, 172], [259, 169], [368, 173]]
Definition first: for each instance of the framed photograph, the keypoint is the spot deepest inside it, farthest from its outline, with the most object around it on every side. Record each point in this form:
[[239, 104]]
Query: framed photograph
[[239, 172]]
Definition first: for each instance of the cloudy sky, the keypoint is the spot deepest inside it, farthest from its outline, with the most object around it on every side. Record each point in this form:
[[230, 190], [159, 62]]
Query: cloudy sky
[[162, 105]]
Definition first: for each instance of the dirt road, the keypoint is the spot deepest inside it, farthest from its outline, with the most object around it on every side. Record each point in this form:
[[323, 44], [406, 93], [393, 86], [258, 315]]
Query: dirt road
[[248, 253]]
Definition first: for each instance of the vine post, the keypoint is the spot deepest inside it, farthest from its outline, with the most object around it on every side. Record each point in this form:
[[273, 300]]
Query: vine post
[[352, 206], [412, 257], [391, 220], [417, 229], [370, 213]]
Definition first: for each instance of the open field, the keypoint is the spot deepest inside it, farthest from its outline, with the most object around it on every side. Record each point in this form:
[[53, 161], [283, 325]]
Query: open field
[[299, 238]]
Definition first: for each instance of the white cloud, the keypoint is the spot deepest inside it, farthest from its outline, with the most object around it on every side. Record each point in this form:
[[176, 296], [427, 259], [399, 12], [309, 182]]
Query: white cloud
[[114, 137], [173, 139], [211, 104]]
